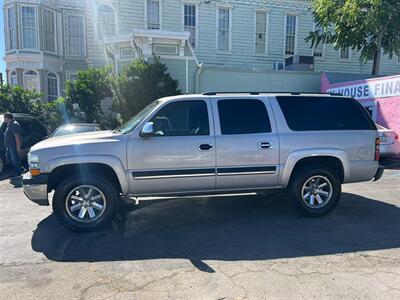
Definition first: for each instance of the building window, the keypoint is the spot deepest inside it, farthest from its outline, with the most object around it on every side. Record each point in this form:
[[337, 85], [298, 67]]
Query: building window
[[165, 49], [261, 32], [223, 29], [12, 38], [126, 52], [189, 19], [290, 35], [73, 76], [31, 80], [13, 78], [106, 21], [52, 87], [398, 59], [318, 49], [76, 36], [153, 14], [49, 30], [345, 53], [28, 27]]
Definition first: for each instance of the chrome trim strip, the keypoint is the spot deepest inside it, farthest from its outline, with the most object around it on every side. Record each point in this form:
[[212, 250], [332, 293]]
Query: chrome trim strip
[[188, 173], [173, 176], [245, 173]]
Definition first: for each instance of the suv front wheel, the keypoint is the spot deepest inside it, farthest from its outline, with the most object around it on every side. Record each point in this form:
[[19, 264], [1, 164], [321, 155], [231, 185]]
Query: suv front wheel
[[85, 204], [315, 191]]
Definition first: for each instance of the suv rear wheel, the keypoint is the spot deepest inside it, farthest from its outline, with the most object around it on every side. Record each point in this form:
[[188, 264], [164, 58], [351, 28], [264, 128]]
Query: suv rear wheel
[[85, 204], [315, 191]]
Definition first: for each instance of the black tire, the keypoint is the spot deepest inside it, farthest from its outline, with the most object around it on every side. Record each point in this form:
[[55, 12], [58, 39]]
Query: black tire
[[62, 200], [307, 175]]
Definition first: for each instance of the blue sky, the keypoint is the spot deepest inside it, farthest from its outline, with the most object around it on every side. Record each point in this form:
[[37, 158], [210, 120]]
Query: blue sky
[[2, 42]]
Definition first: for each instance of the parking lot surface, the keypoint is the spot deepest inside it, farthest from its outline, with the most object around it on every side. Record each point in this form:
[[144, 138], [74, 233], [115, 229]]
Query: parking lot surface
[[240, 247]]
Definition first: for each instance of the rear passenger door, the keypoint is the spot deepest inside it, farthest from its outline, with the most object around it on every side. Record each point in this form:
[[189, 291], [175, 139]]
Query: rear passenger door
[[247, 144]]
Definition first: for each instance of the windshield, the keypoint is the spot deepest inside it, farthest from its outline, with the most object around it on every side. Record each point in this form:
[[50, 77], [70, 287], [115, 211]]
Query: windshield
[[132, 123]]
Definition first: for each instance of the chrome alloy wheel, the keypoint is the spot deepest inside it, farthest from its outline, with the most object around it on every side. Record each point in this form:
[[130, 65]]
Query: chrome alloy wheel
[[85, 203], [316, 191]]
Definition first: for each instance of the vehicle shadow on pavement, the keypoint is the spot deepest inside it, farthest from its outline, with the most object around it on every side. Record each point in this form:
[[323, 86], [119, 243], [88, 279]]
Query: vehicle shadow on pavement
[[225, 228]]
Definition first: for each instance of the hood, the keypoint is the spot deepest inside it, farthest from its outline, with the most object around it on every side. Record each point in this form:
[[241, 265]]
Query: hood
[[76, 139]]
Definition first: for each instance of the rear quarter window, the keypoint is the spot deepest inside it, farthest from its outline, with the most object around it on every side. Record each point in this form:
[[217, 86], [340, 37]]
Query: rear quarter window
[[324, 113]]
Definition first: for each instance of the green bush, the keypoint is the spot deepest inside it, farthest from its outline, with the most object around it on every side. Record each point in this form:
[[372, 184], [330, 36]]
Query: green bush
[[87, 91], [19, 100], [136, 86], [140, 83]]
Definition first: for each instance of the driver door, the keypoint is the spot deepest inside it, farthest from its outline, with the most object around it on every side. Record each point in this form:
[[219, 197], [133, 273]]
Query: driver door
[[179, 157]]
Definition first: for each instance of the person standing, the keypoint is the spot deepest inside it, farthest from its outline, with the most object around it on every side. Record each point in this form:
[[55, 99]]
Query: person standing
[[12, 143]]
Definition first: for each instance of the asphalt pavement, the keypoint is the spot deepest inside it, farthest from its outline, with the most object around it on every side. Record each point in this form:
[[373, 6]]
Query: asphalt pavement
[[241, 247]]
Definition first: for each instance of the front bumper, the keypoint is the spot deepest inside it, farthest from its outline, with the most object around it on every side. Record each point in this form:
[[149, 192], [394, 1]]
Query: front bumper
[[35, 188], [379, 173]]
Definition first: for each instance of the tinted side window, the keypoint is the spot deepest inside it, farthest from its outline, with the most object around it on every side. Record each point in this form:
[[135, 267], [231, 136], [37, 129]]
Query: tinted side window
[[182, 118], [32, 132], [324, 113], [243, 116]]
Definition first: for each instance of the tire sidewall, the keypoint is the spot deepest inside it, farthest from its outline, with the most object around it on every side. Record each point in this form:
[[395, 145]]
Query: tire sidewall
[[296, 191], [72, 182]]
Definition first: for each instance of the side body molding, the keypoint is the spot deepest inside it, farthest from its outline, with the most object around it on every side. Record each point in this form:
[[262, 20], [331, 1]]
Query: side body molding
[[109, 160], [296, 156]]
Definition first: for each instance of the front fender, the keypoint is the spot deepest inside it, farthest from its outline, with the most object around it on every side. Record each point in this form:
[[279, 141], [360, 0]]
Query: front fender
[[296, 156], [108, 160]]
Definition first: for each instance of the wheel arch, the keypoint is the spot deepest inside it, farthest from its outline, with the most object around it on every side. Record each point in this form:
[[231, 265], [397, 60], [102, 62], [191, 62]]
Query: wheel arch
[[111, 167], [335, 159]]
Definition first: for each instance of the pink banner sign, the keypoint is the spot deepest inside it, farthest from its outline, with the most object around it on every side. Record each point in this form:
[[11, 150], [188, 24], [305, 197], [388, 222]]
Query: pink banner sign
[[368, 89]]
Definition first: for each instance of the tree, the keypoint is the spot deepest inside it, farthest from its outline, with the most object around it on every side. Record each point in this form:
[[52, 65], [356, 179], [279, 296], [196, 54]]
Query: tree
[[88, 90], [140, 83], [19, 100], [368, 26]]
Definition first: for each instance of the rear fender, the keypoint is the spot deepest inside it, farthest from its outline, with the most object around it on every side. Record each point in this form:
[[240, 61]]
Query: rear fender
[[296, 156]]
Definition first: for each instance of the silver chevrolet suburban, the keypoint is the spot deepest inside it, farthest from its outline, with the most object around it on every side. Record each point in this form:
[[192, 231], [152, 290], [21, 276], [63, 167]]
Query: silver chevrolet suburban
[[211, 143]]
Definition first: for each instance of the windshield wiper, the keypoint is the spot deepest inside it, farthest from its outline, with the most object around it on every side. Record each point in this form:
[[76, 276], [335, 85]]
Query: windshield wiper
[[116, 130]]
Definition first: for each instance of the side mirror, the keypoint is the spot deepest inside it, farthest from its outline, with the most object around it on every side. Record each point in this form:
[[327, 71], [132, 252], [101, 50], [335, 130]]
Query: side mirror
[[147, 129]]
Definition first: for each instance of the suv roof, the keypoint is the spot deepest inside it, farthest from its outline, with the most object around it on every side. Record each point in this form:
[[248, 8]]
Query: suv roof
[[21, 115], [236, 94], [272, 93]]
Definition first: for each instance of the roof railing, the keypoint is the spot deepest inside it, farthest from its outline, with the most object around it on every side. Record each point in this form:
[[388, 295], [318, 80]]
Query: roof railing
[[258, 93]]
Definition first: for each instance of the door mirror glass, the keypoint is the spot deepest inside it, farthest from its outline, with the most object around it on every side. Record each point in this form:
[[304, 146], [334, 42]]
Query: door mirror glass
[[147, 129]]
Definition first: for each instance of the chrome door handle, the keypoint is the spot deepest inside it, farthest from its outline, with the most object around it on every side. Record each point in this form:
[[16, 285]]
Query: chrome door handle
[[205, 147], [264, 145]]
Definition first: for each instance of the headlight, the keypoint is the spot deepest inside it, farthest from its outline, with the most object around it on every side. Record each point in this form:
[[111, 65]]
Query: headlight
[[33, 162], [33, 157]]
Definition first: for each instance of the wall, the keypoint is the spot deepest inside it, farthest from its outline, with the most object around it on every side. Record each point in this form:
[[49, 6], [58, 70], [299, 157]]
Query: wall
[[215, 79]]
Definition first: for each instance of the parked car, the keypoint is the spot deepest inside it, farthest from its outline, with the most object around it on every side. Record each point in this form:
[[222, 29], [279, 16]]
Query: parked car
[[209, 143], [33, 131], [390, 144], [74, 128]]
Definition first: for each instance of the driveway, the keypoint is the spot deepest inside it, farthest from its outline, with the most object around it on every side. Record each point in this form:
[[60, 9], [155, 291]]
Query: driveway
[[241, 247]]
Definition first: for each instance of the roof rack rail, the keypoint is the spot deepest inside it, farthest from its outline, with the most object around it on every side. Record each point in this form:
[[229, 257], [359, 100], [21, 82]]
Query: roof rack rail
[[257, 93], [215, 93]]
